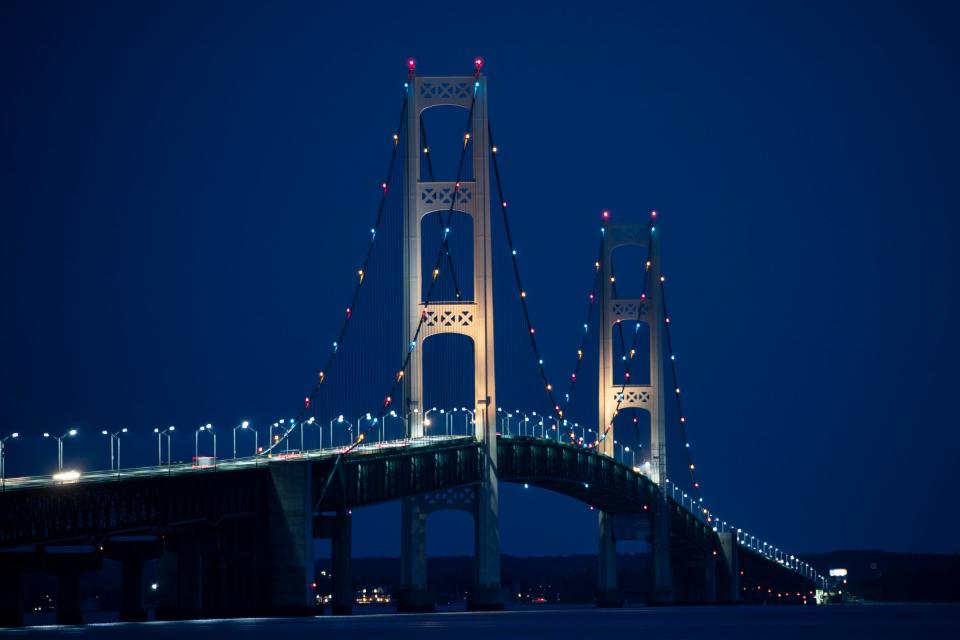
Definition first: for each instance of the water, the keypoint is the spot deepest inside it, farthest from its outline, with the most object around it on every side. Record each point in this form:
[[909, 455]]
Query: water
[[845, 622]]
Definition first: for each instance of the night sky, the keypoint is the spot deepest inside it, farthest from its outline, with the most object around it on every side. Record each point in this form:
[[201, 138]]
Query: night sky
[[186, 190]]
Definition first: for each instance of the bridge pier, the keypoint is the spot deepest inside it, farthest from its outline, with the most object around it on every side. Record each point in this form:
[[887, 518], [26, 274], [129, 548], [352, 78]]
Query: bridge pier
[[487, 592], [341, 550], [181, 576], [729, 584], [290, 532], [68, 567], [11, 600], [132, 554], [13, 564], [660, 552], [413, 596], [608, 590]]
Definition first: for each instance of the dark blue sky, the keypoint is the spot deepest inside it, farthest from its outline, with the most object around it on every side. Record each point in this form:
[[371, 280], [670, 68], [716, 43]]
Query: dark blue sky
[[186, 189]]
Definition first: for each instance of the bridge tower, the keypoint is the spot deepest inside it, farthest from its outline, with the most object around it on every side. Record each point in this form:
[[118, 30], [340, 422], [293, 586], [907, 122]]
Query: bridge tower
[[649, 397], [473, 319]]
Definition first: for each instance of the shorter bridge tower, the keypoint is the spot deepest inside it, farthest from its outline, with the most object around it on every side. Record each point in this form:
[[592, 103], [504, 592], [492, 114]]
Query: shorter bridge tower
[[614, 396]]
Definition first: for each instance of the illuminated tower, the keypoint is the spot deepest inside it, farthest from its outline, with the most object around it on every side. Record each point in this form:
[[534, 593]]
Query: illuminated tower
[[473, 319], [615, 396]]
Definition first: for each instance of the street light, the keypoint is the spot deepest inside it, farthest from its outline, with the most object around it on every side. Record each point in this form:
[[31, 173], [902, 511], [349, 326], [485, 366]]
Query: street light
[[3, 453], [426, 418], [59, 439], [369, 419], [468, 421], [339, 420], [196, 441], [114, 436], [526, 422], [243, 425], [166, 432], [393, 414]]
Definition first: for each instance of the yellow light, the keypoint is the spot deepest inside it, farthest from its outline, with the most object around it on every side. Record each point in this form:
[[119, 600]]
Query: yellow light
[[523, 294], [648, 264], [579, 354], [436, 272], [322, 375], [395, 138], [360, 274], [64, 476], [549, 387], [613, 279], [691, 466], [494, 149], [426, 150]]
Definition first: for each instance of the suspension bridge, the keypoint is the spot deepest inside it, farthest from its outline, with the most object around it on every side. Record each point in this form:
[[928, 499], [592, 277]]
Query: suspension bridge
[[235, 535]]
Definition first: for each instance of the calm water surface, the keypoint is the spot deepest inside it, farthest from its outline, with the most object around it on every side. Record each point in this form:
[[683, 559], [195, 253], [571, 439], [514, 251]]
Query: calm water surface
[[904, 622]]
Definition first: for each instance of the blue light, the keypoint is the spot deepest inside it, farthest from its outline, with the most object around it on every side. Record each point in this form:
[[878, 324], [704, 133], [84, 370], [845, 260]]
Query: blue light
[[514, 252]]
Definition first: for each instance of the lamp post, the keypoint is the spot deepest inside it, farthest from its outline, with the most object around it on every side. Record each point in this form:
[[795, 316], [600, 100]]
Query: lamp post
[[243, 425], [339, 420], [165, 432], [393, 414], [3, 454], [310, 420], [526, 421], [114, 436], [196, 440], [467, 422], [426, 418], [59, 439]]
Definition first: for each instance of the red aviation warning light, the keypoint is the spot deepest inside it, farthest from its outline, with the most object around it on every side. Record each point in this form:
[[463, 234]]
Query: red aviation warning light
[[306, 402], [411, 66], [477, 64]]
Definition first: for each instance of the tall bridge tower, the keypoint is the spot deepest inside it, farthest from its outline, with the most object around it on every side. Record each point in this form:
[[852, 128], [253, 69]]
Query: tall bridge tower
[[473, 318], [615, 396]]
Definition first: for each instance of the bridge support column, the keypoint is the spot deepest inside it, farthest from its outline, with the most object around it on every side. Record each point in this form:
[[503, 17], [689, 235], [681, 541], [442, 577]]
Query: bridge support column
[[131, 591], [710, 578], [608, 591], [413, 597], [290, 530], [660, 552], [181, 577], [341, 549], [487, 592], [132, 554], [11, 601], [68, 567], [68, 597], [729, 586]]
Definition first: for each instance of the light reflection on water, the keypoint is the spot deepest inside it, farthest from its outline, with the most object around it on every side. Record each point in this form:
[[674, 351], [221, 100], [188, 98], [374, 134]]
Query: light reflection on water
[[557, 623]]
